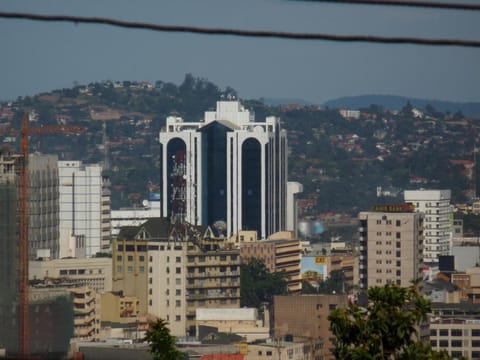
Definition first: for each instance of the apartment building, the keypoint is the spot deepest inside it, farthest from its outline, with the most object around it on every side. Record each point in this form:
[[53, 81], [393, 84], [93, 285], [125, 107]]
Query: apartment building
[[455, 328], [304, 318], [278, 255], [435, 204], [174, 271], [213, 276], [391, 246]]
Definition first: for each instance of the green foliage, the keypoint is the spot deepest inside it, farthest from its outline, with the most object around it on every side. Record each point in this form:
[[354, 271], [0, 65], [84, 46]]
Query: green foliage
[[161, 343], [386, 329], [258, 285]]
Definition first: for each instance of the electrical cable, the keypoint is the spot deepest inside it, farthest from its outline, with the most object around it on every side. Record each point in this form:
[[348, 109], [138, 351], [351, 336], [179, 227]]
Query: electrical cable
[[423, 4], [243, 33]]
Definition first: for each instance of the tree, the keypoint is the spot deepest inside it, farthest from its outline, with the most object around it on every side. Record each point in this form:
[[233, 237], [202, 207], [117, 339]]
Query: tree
[[386, 329], [258, 285], [161, 343]]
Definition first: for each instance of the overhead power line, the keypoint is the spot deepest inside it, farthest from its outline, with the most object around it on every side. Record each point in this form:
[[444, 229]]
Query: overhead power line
[[242, 33], [422, 4]]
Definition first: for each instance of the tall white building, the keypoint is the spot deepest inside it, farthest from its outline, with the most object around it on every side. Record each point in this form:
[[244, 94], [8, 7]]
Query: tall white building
[[134, 216], [226, 168], [435, 204], [84, 207]]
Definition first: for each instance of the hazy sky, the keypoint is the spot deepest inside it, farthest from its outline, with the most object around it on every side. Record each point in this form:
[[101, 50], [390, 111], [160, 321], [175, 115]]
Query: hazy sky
[[37, 57]]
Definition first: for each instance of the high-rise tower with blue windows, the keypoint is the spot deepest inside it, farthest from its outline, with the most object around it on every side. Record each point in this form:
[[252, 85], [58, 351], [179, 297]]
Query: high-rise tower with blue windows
[[227, 170]]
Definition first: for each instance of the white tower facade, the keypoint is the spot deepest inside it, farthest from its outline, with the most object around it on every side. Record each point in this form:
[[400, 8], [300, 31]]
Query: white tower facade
[[435, 204], [227, 168], [84, 210]]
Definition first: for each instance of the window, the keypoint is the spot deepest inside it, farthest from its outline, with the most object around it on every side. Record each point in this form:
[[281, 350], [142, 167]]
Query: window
[[130, 257], [397, 223], [398, 235], [65, 272], [141, 258], [399, 272], [178, 303], [456, 332], [150, 280], [178, 259], [475, 332], [433, 343], [332, 306], [456, 354], [443, 343], [141, 269], [178, 281], [475, 343], [119, 257], [456, 343], [399, 263], [178, 318], [130, 269], [178, 292], [119, 268], [379, 222], [399, 244], [443, 332], [178, 270], [399, 254], [150, 259]]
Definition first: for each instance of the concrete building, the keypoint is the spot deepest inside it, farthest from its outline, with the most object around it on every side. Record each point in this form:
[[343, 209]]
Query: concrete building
[[278, 255], [9, 256], [391, 246], [241, 321], [304, 318], [95, 273], [84, 207], [244, 161], [212, 276], [174, 271], [44, 206], [455, 328], [134, 216], [435, 204], [281, 350], [118, 308]]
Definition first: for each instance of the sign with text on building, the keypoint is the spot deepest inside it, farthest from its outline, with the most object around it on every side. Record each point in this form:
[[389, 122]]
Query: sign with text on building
[[394, 208]]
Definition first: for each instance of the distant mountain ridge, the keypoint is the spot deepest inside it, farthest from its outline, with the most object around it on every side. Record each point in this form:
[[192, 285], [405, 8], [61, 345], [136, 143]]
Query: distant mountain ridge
[[397, 102]]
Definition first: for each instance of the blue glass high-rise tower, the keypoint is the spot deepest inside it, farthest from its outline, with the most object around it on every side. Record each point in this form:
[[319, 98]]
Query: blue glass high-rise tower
[[228, 169]]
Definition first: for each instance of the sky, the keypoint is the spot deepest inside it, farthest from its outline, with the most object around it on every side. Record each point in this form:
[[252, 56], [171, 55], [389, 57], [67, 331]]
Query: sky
[[37, 57]]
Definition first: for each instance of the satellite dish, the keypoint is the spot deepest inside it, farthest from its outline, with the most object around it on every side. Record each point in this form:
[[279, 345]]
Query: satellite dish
[[220, 226]]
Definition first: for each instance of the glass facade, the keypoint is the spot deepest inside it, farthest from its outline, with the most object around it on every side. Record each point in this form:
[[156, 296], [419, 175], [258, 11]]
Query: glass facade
[[251, 185]]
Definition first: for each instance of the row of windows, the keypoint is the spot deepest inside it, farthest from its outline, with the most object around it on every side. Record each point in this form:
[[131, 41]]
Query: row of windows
[[129, 268], [80, 271], [141, 258], [178, 281], [389, 222], [202, 258], [389, 271], [454, 332], [389, 252], [453, 343]]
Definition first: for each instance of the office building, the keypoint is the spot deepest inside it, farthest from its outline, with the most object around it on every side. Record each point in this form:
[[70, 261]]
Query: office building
[[391, 246], [84, 207], [304, 318], [281, 253], [435, 204], [455, 328], [226, 169], [95, 273]]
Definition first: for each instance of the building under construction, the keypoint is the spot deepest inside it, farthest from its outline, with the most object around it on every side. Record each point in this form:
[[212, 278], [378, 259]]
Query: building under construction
[[9, 252], [44, 234]]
